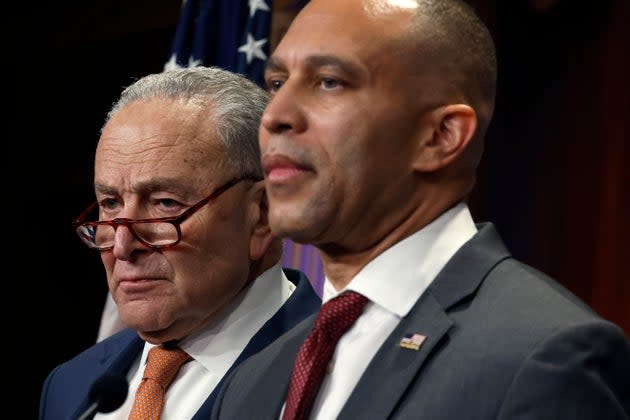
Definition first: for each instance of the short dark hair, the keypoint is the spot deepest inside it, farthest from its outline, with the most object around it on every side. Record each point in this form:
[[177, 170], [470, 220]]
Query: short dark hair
[[463, 45]]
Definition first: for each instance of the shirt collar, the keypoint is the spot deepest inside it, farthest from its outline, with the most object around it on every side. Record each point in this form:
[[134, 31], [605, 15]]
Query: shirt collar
[[218, 346], [396, 278]]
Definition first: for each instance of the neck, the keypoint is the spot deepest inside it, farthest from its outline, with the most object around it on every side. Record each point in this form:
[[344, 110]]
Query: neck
[[341, 264]]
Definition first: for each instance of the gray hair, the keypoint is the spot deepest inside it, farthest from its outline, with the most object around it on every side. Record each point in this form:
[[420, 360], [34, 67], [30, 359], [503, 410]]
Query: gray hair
[[236, 103]]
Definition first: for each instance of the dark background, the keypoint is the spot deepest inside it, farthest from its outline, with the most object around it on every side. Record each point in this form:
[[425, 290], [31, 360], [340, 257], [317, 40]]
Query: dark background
[[554, 177]]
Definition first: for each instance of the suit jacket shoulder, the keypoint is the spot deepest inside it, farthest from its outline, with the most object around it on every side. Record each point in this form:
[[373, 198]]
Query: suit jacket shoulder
[[503, 341], [65, 391]]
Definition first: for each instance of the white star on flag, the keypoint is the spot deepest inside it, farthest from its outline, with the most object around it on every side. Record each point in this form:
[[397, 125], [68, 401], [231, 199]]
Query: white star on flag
[[192, 62], [171, 64], [257, 5], [253, 48]]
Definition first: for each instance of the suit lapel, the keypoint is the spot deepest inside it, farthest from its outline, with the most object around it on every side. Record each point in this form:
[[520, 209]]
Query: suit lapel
[[118, 354], [393, 367], [266, 382], [302, 303], [276, 382], [464, 273]]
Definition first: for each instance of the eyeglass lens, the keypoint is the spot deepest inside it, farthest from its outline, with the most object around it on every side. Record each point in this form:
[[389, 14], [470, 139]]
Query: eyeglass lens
[[152, 233]]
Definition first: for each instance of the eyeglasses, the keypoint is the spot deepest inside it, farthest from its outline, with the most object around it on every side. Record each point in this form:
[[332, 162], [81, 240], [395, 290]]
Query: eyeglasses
[[156, 233]]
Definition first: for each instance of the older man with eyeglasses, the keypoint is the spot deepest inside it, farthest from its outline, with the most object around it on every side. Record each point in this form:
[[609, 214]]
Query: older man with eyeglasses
[[180, 221]]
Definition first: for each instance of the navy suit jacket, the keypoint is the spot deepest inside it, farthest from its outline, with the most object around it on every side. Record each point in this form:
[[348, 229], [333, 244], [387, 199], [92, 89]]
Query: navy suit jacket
[[65, 391], [503, 341]]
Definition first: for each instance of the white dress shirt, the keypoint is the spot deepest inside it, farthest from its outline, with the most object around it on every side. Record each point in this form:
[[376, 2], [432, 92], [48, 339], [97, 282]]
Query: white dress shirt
[[393, 282], [214, 349]]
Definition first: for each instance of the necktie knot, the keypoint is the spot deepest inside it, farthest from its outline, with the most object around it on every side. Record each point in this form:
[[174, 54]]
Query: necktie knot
[[338, 314], [163, 363]]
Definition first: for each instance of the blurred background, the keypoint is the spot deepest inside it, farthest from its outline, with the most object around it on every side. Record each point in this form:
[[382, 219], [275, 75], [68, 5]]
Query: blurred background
[[554, 178]]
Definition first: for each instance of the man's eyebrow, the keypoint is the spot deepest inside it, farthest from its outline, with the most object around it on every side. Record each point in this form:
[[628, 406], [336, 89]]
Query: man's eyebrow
[[318, 61], [104, 189], [334, 62], [273, 64], [156, 184]]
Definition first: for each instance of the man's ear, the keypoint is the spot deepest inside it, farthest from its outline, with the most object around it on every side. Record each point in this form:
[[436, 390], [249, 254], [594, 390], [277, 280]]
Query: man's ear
[[450, 129], [261, 236]]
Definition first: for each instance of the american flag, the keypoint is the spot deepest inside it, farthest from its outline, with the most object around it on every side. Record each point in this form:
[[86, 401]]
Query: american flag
[[232, 34], [412, 341], [235, 35]]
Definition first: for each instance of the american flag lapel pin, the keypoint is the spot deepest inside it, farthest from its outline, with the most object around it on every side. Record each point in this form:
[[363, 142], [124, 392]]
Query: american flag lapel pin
[[412, 341]]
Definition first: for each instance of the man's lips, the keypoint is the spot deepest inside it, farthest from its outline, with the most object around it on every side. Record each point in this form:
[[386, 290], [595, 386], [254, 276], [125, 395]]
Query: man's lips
[[137, 284], [280, 168]]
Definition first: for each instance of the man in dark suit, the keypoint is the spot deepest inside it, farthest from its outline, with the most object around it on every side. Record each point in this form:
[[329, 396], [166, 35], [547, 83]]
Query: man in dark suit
[[180, 222], [370, 144]]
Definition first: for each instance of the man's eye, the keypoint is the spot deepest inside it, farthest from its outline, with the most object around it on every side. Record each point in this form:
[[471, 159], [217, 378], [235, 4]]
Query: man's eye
[[274, 85], [108, 204], [168, 203], [329, 83]]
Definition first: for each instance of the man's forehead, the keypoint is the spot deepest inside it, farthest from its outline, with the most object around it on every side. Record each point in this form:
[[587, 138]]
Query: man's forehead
[[349, 24], [349, 9]]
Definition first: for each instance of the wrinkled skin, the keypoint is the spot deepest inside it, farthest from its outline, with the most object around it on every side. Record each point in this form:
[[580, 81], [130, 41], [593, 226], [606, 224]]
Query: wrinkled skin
[[156, 159]]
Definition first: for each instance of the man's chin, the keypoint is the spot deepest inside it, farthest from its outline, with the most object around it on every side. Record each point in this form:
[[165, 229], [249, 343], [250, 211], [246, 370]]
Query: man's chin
[[142, 316], [288, 222], [286, 229], [159, 335]]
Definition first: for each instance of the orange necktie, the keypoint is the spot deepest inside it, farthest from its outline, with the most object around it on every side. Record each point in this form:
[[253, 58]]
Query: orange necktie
[[162, 366], [335, 317]]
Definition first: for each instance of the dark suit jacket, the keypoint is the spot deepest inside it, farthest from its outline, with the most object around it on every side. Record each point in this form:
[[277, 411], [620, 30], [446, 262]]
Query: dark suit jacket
[[504, 341], [65, 391]]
